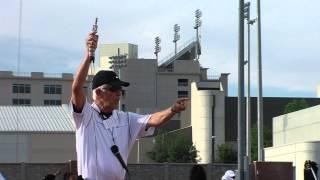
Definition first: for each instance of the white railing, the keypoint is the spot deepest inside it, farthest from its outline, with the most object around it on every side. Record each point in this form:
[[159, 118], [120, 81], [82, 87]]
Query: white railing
[[172, 54], [29, 74]]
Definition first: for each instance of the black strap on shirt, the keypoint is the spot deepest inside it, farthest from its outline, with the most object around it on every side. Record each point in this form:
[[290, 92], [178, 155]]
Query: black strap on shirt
[[104, 115]]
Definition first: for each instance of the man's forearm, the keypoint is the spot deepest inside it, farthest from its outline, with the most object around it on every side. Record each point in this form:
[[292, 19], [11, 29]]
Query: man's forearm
[[78, 95], [82, 73], [159, 118]]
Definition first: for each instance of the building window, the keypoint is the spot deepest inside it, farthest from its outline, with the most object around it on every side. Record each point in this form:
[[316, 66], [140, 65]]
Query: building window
[[21, 88], [52, 89], [21, 102], [182, 82], [50, 102], [183, 94]]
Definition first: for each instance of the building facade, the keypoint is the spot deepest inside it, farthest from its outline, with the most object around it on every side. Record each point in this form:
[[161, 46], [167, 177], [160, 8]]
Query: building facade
[[36, 134], [153, 86], [35, 88], [296, 139]]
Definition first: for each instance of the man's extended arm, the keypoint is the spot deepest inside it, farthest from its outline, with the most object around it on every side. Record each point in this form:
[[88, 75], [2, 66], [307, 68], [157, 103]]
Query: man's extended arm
[[78, 96], [159, 118]]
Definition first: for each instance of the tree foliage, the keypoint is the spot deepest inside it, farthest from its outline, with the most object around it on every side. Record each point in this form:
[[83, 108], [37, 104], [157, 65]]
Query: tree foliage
[[267, 140], [227, 154], [174, 149], [295, 105]]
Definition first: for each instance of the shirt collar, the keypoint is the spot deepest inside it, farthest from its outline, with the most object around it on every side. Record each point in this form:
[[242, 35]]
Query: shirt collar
[[103, 115]]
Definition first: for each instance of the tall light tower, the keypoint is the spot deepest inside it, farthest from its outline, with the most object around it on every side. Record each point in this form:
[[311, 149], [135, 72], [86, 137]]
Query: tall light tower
[[198, 23], [176, 36], [249, 22], [157, 47], [260, 99], [119, 61], [241, 100]]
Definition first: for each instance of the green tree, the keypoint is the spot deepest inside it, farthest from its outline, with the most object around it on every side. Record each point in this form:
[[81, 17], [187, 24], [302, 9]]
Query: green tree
[[173, 148], [227, 154], [295, 105], [267, 140]]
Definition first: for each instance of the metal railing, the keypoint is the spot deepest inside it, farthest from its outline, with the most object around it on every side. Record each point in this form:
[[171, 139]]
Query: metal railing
[[172, 54], [47, 75]]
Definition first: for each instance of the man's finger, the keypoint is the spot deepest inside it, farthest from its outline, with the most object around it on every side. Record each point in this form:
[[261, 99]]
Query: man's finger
[[180, 100]]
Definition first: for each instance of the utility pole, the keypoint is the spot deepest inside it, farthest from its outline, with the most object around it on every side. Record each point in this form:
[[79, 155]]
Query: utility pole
[[241, 100], [260, 99], [248, 62]]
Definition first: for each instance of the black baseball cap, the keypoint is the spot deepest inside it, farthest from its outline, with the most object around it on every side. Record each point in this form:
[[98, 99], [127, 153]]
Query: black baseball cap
[[107, 77]]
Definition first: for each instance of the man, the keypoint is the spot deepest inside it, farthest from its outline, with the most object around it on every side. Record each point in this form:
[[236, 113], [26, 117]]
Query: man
[[228, 175], [1, 177], [198, 173], [100, 126]]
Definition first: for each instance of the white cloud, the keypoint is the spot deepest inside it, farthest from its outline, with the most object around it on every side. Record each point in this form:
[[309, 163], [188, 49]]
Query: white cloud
[[289, 33]]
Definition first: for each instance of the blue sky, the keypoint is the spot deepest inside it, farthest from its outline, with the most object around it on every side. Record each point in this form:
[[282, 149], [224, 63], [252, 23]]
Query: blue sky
[[53, 33]]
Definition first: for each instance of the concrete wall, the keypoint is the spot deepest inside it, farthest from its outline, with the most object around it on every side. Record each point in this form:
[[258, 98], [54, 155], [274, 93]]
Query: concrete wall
[[142, 77], [272, 106], [296, 138], [299, 126], [108, 50], [297, 153], [202, 103], [37, 148], [138, 171], [207, 118]]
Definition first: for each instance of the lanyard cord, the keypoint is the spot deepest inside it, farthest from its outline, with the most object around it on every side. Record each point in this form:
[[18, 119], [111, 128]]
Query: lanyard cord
[[95, 144], [113, 140]]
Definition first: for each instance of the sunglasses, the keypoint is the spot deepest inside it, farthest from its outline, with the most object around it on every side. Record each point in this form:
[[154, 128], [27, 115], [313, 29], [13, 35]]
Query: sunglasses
[[113, 88]]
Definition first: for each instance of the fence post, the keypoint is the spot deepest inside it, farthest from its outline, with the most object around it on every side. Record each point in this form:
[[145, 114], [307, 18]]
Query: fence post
[[208, 171], [23, 174], [166, 171]]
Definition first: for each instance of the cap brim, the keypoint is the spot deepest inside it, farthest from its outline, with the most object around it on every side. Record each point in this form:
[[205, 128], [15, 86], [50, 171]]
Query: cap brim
[[119, 83]]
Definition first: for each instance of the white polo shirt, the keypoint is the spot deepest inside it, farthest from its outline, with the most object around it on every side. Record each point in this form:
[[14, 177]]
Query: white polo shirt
[[94, 138]]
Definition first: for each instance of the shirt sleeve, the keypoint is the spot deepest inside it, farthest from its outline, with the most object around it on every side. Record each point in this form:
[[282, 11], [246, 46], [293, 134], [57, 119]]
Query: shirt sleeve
[[138, 125], [82, 118]]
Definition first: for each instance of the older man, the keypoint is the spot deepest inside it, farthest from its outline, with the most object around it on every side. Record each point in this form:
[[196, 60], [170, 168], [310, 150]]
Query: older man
[[99, 126]]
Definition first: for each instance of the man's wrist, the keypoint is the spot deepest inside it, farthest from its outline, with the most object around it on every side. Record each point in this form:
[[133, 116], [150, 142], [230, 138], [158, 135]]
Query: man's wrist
[[173, 110]]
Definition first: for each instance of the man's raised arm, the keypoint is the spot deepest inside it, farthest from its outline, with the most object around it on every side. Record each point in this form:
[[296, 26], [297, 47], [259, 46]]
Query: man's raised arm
[[78, 96]]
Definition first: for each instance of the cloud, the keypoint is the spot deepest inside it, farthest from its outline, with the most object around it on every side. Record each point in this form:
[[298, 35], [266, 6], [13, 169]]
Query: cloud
[[53, 35], [37, 56]]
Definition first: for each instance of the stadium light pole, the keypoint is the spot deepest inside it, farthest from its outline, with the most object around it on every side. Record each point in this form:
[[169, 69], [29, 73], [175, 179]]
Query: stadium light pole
[[260, 99], [248, 62], [157, 47], [176, 36], [241, 100], [119, 61], [248, 114], [197, 25]]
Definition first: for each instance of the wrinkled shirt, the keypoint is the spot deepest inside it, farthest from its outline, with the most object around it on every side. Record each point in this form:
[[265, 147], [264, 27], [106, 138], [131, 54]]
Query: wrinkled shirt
[[94, 138]]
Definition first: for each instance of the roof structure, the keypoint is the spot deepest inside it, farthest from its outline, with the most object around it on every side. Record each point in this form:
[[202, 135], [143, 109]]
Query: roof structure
[[185, 52], [47, 119]]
